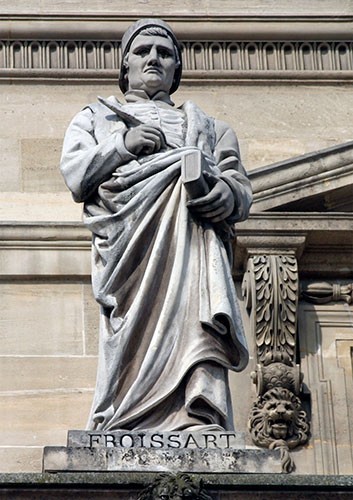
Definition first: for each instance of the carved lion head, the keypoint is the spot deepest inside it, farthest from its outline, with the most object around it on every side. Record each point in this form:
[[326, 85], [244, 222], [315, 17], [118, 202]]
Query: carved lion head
[[278, 416], [175, 487]]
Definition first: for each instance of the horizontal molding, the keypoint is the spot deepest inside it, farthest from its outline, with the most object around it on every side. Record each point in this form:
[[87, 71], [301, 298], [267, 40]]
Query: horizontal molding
[[44, 233], [186, 26], [322, 241], [94, 60], [48, 250], [44, 250], [283, 223], [106, 481], [196, 77]]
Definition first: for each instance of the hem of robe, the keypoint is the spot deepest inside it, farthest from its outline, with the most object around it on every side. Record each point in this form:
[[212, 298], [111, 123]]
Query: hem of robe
[[190, 403]]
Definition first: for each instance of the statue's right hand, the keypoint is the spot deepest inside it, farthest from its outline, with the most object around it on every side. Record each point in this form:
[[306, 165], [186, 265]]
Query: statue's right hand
[[144, 139]]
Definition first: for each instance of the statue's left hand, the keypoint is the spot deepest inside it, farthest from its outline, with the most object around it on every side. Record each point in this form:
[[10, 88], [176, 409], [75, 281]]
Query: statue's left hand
[[218, 204]]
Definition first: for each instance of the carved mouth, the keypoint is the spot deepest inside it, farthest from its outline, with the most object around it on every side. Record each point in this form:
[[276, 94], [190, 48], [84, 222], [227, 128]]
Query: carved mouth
[[153, 70], [279, 429], [279, 424]]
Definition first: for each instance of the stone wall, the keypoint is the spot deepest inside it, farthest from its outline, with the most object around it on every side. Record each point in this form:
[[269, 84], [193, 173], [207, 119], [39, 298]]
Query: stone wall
[[273, 122], [48, 317]]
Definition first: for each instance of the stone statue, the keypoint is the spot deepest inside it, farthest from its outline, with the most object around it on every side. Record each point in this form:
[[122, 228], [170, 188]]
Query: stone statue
[[170, 326]]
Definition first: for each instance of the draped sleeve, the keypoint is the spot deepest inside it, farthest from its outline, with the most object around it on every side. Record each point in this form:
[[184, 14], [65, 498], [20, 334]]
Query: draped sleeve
[[227, 158], [87, 162]]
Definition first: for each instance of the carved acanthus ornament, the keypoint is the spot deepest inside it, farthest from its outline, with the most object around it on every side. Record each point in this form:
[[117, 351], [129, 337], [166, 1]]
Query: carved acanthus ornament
[[272, 280], [277, 419]]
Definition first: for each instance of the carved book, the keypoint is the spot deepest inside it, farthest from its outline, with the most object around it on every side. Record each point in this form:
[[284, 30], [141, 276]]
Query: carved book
[[193, 165]]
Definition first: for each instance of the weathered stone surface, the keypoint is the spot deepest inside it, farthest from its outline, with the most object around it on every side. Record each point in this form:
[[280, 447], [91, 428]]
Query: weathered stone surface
[[90, 320], [40, 159], [327, 365], [10, 165], [226, 7], [18, 206], [266, 115], [43, 418], [324, 245], [37, 305], [33, 250], [41, 373], [20, 459], [176, 460]]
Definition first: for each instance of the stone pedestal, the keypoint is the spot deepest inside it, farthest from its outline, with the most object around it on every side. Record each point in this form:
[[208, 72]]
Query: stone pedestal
[[192, 452]]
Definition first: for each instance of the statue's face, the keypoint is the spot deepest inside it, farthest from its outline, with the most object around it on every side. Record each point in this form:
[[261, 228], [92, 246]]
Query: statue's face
[[151, 64]]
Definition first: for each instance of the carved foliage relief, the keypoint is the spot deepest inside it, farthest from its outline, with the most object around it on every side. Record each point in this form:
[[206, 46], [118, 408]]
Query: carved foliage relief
[[277, 419], [275, 289]]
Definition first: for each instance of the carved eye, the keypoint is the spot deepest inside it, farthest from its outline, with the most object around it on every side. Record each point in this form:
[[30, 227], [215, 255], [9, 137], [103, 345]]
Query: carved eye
[[164, 497], [164, 53], [187, 493], [143, 52]]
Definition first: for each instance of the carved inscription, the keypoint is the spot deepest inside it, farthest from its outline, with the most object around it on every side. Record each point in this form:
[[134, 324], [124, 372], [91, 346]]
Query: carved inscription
[[157, 440]]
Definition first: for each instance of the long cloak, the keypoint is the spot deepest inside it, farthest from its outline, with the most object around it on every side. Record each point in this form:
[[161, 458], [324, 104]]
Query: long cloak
[[170, 324]]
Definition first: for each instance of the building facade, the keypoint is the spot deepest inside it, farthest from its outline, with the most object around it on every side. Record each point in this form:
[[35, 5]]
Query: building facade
[[280, 73]]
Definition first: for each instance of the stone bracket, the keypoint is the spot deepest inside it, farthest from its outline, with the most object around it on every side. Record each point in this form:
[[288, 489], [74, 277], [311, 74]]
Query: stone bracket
[[271, 290]]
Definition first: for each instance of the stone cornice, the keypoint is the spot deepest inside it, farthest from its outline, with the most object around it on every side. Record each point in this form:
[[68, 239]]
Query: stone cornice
[[190, 77], [305, 176], [216, 48], [322, 242], [188, 27]]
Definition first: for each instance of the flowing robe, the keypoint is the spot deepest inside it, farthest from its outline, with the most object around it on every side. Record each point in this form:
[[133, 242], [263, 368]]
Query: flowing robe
[[170, 325]]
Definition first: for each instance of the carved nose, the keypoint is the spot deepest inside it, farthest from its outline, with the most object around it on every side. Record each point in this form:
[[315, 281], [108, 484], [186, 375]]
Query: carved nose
[[153, 59], [280, 409]]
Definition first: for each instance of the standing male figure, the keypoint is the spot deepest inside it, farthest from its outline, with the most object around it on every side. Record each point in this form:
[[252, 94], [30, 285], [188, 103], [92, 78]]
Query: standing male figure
[[170, 325]]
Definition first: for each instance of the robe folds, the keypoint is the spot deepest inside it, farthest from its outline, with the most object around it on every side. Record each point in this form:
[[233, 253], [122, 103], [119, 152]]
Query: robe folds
[[170, 325]]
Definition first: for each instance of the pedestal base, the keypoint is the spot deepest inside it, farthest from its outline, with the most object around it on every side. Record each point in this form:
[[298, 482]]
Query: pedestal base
[[191, 452]]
